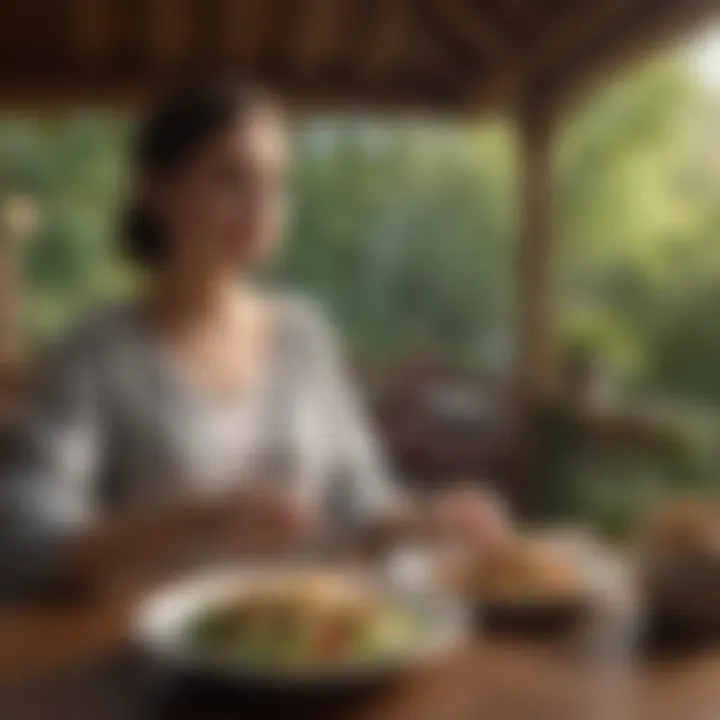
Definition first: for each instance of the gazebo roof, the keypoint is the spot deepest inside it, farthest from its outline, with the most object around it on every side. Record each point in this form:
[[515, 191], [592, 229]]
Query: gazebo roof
[[440, 54]]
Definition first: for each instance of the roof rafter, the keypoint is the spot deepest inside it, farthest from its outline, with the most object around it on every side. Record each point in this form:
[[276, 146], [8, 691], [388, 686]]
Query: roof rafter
[[167, 32], [651, 24], [91, 30], [321, 27], [472, 26], [241, 32], [579, 23]]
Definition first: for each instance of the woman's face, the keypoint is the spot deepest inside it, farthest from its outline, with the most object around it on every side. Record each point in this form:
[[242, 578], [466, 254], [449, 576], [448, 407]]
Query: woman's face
[[225, 207]]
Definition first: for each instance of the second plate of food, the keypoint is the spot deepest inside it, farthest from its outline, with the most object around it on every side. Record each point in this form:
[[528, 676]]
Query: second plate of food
[[533, 583]]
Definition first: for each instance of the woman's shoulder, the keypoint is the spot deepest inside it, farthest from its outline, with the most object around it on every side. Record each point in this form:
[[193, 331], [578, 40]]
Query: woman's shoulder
[[102, 332], [303, 317], [87, 353]]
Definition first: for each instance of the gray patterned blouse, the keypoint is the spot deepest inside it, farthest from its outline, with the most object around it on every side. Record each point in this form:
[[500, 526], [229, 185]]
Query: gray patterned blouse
[[117, 427]]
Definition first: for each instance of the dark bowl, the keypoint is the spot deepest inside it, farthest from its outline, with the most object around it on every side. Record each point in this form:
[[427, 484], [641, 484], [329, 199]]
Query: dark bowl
[[534, 617]]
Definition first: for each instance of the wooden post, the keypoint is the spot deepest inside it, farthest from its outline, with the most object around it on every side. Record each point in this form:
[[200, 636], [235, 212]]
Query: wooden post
[[537, 352], [18, 223]]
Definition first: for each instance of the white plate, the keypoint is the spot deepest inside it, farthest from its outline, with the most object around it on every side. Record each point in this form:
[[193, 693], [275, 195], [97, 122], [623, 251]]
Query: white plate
[[162, 619]]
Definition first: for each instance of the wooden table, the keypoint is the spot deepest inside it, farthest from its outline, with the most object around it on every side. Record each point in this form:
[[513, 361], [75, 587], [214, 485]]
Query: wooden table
[[74, 662]]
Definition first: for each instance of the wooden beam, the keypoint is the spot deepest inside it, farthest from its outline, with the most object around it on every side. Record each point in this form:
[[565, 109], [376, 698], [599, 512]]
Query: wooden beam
[[24, 29], [408, 56], [49, 91], [167, 29], [241, 31], [520, 20], [489, 79], [471, 27], [435, 59], [473, 23], [125, 90], [91, 28], [523, 11], [653, 25], [320, 36], [387, 47], [580, 24]]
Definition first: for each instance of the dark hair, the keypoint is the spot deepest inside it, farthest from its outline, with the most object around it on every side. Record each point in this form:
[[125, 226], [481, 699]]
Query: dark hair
[[167, 138]]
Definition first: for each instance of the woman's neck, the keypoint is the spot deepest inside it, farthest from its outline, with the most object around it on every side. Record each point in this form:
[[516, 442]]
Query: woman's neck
[[183, 297]]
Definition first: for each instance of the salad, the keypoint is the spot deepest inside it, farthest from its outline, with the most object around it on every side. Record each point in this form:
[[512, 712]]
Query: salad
[[305, 622]]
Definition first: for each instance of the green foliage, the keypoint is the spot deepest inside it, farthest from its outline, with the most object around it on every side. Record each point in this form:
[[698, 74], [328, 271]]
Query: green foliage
[[406, 231], [72, 165], [638, 200]]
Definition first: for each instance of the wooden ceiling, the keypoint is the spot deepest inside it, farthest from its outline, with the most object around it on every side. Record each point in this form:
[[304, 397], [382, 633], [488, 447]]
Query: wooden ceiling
[[441, 54]]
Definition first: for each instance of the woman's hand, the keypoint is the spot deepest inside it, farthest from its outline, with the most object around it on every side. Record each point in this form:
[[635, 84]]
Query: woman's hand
[[465, 523], [465, 520], [474, 517], [262, 519], [251, 520]]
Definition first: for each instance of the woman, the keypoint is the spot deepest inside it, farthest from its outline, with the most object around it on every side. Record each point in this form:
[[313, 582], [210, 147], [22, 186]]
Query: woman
[[211, 413]]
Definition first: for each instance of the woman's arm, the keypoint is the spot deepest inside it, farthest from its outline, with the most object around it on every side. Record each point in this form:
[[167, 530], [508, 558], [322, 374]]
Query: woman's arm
[[369, 499], [168, 537], [47, 477]]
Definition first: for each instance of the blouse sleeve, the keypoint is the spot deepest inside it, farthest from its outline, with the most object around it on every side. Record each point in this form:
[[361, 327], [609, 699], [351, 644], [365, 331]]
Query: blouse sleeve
[[46, 476], [360, 487]]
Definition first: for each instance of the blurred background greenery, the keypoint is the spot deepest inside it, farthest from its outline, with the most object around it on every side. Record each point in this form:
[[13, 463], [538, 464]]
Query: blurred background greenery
[[405, 228]]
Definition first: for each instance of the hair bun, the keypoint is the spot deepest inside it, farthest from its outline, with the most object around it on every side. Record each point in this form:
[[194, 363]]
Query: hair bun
[[143, 237]]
